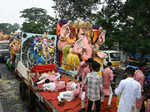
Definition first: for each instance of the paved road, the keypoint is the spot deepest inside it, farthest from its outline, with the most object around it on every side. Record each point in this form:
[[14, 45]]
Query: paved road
[[9, 92], [1, 107]]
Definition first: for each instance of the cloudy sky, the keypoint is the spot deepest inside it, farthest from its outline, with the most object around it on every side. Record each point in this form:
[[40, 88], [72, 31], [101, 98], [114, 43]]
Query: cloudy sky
[[10, 9]]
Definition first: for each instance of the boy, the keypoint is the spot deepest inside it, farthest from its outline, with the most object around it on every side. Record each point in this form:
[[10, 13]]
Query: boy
[[107, 76], [94, 83]]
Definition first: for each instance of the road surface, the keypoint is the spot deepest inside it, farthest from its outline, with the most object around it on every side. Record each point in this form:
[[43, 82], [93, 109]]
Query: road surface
[[10, 100]]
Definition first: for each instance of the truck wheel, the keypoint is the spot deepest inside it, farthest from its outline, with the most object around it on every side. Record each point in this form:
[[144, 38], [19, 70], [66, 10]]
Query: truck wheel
[[30, 100], [22, 89]]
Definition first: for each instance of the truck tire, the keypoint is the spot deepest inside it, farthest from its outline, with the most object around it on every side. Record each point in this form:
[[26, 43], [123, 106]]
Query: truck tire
[[41, 108], [30, 100], [22, 90]]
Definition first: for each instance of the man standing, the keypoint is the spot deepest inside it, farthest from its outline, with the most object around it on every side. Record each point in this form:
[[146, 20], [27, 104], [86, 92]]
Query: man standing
[[94, 83], [139, 76], [107, 76], [84, 68], [129, 90]]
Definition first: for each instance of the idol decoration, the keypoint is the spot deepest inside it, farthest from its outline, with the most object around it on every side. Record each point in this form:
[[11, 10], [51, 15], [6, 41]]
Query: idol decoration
[[4, 36], [98, 40], [78, 41], [14, 47], [40, 50]]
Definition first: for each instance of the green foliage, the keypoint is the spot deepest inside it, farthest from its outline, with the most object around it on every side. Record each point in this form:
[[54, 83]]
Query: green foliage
[[137, 14], [37, 21], [128, 23], [75, 9], [52, 29], [31, 27], [108, 18], [33, 14], [8, 28]]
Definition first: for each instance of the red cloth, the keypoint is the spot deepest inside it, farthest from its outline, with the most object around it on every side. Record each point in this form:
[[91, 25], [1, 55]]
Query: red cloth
[[43, 68], [75, 105], [52, 96], [60, 57], [111, 108]]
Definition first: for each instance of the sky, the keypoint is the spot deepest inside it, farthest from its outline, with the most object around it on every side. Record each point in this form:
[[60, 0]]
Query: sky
[[10, 9]]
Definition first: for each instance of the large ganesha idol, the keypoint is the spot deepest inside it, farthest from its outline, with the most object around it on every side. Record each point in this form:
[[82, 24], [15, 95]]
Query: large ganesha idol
[[66, 39], [74, 51], [98, 36], [98, 40], [67, 35], [59, 26]]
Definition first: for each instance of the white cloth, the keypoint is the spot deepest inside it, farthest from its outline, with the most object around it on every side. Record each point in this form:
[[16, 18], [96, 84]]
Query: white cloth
[[49, 86], [73, 86], [66, 95], [83, 99], [129, 90], [110, 96], [41, 81], [44, 75], [83, 96], [58, 76]]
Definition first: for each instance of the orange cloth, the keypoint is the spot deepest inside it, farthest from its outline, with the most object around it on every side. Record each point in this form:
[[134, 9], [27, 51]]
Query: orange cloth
[[111, 108]]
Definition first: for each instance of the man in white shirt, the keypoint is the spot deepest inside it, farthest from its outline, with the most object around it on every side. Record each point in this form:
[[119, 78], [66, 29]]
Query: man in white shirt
[[129, 90]]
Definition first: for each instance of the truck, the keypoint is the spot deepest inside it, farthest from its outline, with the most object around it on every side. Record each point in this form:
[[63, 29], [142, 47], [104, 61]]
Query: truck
[[25, 61], [37, 56], [4, 49], [113, 56]]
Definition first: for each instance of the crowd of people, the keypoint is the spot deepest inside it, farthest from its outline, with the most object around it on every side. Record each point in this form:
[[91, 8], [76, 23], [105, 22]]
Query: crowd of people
[[131, 90]]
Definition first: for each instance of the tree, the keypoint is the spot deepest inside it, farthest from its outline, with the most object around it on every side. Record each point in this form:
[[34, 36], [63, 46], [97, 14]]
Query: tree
[[128, 23], [137, 14], [15, 27], [108, 18], [75, 9], [8, 28], [36, 20]]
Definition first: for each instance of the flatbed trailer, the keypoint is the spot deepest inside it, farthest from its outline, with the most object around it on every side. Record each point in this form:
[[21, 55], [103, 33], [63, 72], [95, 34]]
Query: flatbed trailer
[[46, 101], [42, 101], [31, 96], [34, 98]]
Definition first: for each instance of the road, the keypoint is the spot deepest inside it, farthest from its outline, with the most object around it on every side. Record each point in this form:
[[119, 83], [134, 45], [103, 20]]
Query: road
[[10, 100]]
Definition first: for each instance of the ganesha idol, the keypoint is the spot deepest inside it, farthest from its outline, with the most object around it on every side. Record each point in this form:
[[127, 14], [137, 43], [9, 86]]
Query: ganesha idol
[[66, 39], [98, 40], [78, 50]]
